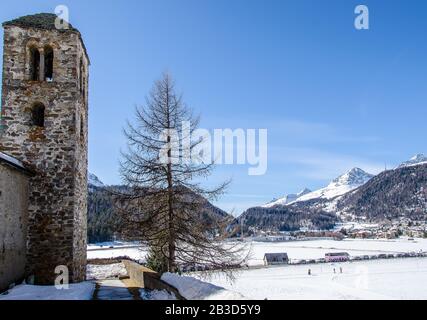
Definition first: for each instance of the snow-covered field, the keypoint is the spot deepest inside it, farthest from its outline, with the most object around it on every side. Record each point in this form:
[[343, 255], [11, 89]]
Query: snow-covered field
[[371, 279], [296, 250], [117, 249], [114, 244], [316, 249], [379, 279]]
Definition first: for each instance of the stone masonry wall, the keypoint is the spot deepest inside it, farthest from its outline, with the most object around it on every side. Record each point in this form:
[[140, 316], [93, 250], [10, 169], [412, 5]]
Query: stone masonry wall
[[80, 177], [57, 152]]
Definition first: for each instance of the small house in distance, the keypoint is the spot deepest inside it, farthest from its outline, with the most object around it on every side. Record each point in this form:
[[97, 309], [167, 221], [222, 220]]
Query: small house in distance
[[337, 257], [275, 259]]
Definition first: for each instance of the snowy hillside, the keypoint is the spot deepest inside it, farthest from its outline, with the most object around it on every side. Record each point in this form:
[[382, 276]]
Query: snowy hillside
[[349, 181], [389, 195], [414, 161], [93, 180], [339, 186]]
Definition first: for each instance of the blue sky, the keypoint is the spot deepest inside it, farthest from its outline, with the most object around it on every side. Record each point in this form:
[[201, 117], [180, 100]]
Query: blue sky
[[330, 96]]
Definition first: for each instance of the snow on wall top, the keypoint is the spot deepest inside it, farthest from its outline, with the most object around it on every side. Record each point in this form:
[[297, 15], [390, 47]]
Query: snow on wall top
[[13, 162]]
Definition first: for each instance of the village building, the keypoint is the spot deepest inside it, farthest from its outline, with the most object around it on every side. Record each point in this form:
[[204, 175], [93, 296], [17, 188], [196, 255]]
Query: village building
[[337, 257], [275, 259]]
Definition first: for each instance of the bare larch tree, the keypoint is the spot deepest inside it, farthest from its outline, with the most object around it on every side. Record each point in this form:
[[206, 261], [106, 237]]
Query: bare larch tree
[[165, 199]]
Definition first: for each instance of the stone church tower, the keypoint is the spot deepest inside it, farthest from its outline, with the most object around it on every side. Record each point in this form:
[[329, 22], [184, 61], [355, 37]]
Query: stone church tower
[[44, 124]]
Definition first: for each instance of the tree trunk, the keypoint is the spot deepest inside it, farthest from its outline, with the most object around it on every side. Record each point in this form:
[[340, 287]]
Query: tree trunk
[[171, 242]]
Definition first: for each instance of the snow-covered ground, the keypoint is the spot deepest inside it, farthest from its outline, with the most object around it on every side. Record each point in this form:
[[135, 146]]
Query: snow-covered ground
[[78, 291], [296, 250], [108, 271], [156, 295], [316, 249], [194, 289], [116, 249], [113, 244], [374, 279], [379, 279]]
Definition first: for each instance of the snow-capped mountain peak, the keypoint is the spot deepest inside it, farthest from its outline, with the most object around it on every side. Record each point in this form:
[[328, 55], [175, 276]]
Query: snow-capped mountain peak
[[355, 176], [287, 199], [303, 192], [414, 161], [347, 182], [339, 186], [94, 181]]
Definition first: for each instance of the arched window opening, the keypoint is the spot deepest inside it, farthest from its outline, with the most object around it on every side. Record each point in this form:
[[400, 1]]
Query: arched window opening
[[34, 64], [48, 64], [37, 115]]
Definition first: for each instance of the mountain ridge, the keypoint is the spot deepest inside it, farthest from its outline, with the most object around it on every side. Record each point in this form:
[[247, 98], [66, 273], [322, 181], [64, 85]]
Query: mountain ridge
[[354, 195], [104, 221], [287, 198], [392, 194]]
